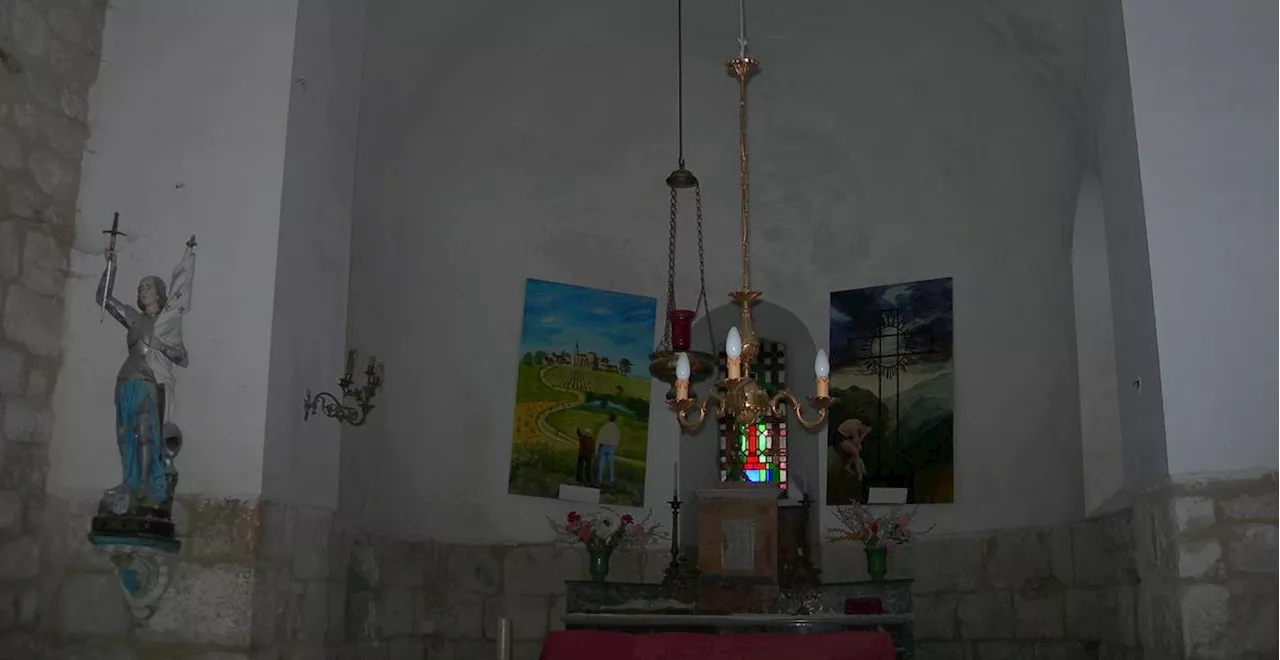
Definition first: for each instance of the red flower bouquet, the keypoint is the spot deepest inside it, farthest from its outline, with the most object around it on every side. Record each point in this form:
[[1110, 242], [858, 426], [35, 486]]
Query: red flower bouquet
[[606, 531], [858, 523]]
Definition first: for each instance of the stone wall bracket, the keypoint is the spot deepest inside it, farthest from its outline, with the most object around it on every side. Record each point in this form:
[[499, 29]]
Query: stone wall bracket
[[143, 568]]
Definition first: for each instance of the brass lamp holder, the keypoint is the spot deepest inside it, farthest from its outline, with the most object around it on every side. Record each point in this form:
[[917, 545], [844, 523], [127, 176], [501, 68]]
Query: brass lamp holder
[[662, 362]]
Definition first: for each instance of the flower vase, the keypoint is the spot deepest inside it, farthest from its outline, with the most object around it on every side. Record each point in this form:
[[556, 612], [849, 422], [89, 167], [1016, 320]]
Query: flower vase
[[877, 562], [598, 565]]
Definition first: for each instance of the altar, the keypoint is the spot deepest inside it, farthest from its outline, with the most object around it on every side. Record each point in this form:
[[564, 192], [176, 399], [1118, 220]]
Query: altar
[[646, 609], [748, 571]]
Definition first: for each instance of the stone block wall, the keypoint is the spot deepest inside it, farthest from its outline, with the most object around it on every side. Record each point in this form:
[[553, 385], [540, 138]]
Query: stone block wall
[[49, 57], [416, 599], [261, 580], [1206, 552], [1064, 592], [253, 580]]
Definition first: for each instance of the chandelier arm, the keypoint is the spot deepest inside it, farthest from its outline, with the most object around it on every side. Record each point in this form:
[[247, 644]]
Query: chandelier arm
[[701, 408], [821, 404]]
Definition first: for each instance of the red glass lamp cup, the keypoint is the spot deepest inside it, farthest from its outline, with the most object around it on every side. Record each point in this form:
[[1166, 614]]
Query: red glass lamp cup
[[681, 321]]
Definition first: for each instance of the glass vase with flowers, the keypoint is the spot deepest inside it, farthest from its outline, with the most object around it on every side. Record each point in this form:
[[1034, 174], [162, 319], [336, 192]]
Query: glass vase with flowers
[[877, 534], [603, 532]]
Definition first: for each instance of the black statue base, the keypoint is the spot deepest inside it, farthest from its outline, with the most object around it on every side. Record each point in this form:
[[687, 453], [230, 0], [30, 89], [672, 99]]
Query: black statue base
[[150, 528]]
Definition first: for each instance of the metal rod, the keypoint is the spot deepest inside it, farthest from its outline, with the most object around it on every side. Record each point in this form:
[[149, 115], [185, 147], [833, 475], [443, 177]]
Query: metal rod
[[680, 76]]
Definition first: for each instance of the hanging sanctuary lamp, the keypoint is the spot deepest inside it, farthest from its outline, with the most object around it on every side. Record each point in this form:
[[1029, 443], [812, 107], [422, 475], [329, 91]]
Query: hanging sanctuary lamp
[[678, 328], [738, 397]]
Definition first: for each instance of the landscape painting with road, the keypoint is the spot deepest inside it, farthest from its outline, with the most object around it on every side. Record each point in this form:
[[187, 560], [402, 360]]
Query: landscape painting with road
[[583, 357]]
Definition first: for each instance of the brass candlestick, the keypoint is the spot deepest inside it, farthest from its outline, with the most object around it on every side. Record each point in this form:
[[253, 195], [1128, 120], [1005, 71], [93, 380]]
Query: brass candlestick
[[672, 573], [335, 407]]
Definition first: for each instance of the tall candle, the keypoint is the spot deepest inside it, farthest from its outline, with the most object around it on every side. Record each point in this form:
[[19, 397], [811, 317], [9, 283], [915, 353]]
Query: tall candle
[[351, 362], [504, 638], [675, 485]]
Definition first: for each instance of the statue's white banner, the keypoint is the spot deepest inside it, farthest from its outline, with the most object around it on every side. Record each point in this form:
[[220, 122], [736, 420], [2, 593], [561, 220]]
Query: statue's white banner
[[168, 326]]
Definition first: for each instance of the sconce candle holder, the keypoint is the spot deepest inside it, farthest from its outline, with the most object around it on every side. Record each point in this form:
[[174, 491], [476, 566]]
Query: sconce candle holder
[[337, 408]]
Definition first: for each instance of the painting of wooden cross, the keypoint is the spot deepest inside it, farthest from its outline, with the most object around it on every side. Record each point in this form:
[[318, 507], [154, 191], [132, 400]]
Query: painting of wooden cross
[[892, 348], [758, 452]]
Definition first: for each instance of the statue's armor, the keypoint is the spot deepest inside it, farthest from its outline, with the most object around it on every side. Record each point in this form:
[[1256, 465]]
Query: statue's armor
[[139, 336]]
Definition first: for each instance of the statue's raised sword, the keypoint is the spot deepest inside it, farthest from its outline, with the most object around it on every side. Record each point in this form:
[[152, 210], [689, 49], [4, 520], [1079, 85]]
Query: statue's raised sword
[[111, 261]]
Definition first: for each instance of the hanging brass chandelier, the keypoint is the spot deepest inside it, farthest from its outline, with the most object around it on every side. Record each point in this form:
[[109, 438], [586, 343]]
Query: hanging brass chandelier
[[738, 397]]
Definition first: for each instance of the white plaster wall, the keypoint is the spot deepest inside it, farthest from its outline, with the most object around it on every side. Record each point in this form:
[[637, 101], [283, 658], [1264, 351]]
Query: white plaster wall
[[1204, 104], [1138, 387], [501, 141], [187, 136], [1101, 445], [309, 329]]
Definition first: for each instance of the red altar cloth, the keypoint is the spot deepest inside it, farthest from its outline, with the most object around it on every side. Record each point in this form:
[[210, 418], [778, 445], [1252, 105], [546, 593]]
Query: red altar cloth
[[605, 645]]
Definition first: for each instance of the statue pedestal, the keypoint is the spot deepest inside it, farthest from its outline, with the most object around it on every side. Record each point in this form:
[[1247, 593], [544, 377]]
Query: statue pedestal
[[134, 531], [143, 549]]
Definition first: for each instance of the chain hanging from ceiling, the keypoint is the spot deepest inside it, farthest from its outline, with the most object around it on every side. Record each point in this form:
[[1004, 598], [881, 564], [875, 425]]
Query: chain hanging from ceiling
[[677, 326]]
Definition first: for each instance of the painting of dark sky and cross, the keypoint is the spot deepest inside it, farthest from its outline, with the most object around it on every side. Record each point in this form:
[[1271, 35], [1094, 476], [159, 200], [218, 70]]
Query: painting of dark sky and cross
[[891, 371]]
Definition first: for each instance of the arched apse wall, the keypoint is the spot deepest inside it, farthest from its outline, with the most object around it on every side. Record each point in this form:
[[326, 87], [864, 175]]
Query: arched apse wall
[[699, 467], [947, 158], [1102, 449]]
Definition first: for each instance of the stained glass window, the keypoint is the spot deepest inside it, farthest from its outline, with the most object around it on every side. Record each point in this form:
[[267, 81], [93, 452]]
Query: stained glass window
[[757, 452]]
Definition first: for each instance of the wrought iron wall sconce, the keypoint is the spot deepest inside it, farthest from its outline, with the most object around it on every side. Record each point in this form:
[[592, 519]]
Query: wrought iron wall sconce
[[337, 408]]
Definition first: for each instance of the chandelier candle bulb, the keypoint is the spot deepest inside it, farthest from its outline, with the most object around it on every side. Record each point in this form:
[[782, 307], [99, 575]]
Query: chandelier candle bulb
[[683, 371], [351, 363], [733, 343], [733, 349], [822, 369]]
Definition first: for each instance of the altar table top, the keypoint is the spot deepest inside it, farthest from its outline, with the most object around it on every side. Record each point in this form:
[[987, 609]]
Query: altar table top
[[647, 619], [605, 645]]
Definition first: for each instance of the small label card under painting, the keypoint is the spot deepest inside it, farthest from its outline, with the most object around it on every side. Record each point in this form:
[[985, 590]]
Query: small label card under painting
[[886, 495], [739, 550], [571, 493]]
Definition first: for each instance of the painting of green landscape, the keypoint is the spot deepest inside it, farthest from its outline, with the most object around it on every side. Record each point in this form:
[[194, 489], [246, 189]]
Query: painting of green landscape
[[893, 381], [583, 367]]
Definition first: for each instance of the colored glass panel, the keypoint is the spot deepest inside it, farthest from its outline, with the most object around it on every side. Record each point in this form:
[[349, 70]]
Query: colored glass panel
[[758, 452]]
